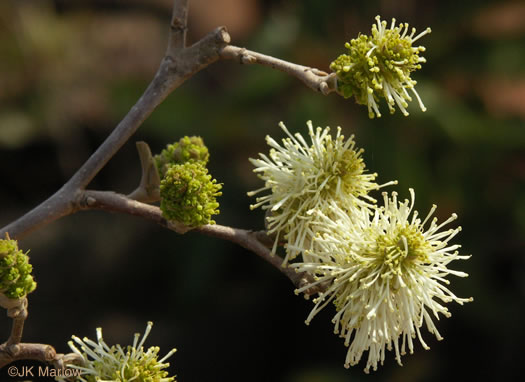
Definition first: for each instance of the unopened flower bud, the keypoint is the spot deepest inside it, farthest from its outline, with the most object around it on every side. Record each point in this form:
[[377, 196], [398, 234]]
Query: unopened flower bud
[[186, 149], [188, 194], [16, 279]]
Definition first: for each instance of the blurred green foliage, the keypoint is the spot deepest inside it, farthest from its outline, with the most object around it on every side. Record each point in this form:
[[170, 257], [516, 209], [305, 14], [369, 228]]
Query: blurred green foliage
[[69, 71]]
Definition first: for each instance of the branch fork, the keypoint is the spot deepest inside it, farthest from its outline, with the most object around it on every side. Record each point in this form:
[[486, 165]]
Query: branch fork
[[178, 65]]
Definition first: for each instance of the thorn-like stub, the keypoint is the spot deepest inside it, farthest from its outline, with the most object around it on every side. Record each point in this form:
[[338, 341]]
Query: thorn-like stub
[[324, 88], [49, 353], [90, 201], [224, 35]]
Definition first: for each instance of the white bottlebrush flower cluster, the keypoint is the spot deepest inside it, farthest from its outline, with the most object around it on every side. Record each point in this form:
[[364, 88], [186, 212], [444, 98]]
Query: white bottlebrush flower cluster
[[303, 178], [385, 275], [384, 272], [101, 362]]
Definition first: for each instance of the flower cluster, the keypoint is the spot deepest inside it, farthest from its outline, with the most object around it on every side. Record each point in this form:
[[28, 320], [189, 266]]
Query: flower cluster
[[380, 66], [16, 278], [386, 276], [188, 193], [303, 178], [382, 267], [101, 362], [186, 149]]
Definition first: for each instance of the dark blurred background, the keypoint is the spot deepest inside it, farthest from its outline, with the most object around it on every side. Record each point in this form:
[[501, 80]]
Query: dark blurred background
[[70, 70]]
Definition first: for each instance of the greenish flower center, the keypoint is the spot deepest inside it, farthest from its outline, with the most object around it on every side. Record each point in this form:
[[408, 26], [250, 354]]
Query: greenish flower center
[[346, 171], [405, 247], [349, 169]]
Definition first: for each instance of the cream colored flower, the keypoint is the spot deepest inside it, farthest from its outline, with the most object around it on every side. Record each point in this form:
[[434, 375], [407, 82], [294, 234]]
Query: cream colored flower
[[303, 178], [380, 65], [386, 275], [117, 364]]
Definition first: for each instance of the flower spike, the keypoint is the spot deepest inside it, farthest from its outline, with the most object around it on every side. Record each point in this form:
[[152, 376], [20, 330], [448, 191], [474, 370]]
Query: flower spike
[[380, 65], [386, 276], [100, 362], [307, 177]]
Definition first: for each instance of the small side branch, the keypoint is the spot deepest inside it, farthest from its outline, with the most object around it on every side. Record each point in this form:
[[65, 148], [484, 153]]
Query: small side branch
[[313, 78], [255, 242], [17, 311]]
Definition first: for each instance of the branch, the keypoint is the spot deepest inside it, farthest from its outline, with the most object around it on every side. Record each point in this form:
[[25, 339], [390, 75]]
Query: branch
[[175, 68], [38, 352], [313, 78], [13, 350], [173, 72], [255, 242], [178, 64], [178, 25], [17, 311]]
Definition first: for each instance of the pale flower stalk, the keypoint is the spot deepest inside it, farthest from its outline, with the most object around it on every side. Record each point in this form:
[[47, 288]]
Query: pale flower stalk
[[306, 177], [386, 275]]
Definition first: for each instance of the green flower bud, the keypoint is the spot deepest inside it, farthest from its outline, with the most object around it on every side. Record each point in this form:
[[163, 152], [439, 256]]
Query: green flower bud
[[16, 280], [188, 194], [186, 149], [380, 66]]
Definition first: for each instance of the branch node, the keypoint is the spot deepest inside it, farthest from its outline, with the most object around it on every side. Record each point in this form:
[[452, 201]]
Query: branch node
[[16, 307], [246, 58], [177, 25], [178, 227], [12, 350]]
